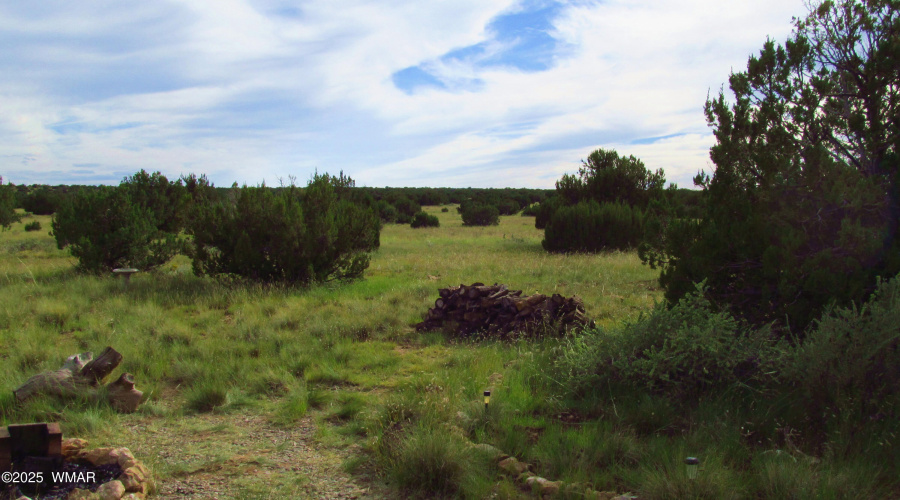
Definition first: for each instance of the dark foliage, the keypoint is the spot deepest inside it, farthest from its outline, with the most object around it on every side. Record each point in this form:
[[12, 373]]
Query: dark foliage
[[605, 177], [478, 214], [105, 230], [41, 201], [8, 213], [285, 236], [802, 208], [593, 227], [422, 219], [33, 226]]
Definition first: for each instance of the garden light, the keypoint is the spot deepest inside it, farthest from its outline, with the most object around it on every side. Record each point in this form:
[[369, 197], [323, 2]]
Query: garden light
[[487, 399], [692, 464]]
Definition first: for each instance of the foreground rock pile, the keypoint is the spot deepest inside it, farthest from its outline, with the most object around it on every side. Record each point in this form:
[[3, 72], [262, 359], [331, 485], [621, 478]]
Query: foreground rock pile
[[542, 486], [467, 309], [119, 476]]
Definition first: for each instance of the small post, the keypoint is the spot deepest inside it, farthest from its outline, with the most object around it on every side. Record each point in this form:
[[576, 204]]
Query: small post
[[692, 464], [487, 399], [126, 273]]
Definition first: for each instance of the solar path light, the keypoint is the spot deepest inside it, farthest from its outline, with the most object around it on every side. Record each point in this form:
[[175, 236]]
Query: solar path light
[[692, 464], [125, 273]]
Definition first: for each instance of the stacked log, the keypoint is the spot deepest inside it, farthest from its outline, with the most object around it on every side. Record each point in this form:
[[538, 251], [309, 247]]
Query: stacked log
[[467, 309]]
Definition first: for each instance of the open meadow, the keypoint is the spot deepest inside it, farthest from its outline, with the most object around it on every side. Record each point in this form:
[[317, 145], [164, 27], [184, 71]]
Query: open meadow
[[255, 391], [275, 392]]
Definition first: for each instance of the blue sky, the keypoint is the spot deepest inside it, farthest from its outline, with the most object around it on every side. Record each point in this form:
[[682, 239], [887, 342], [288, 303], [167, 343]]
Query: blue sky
[[482, 93]]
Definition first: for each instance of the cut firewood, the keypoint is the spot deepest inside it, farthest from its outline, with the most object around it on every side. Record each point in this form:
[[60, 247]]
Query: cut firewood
[[79, 376], [467, 309]]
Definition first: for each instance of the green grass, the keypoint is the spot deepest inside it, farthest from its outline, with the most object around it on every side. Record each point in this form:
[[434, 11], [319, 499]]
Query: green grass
[[402, 404]]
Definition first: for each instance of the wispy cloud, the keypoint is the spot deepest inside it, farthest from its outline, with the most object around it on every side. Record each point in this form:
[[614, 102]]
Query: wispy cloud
[[463, 93]]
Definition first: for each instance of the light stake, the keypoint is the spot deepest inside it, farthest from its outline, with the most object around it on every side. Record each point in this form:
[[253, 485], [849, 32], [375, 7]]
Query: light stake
[[487, 399], [692, 464]]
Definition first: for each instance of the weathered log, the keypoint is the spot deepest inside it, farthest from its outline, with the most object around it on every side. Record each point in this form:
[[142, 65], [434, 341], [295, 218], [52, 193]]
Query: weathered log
[[95, 371], [79, 376], [122, 394]]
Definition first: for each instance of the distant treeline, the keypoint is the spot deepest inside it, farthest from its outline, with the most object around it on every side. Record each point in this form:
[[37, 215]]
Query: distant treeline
[[394, 205]]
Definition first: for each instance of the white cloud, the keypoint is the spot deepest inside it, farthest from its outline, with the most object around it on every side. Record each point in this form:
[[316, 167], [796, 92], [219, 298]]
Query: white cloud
[[237, 89]]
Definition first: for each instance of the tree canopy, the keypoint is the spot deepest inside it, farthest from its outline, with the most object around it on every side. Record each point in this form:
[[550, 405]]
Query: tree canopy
[[802, 207]]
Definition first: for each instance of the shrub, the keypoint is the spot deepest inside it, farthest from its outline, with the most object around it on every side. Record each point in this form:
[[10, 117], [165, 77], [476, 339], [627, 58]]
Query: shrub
[[847, 370], [387, 212], [682, 353], [591, 227], [8, 213], [477, 214], [545, 210], [424, 220], [531, 210], [104, 230], [41, 201], [285, 237], [445, 210], [33, 226]]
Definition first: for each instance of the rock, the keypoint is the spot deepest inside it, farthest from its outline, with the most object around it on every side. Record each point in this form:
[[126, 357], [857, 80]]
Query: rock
[[80, 494], [523, 477], [545, 486], [124, 458], [71, 447], [113, 490], [134, 480], [134, 496], [513, 466], [99, 456]]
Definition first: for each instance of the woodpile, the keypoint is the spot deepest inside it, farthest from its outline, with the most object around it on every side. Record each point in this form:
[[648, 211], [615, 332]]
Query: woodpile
[[467, 309], [82, 375]]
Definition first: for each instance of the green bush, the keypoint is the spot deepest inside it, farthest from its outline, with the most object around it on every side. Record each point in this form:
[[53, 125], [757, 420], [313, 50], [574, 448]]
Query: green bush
[[33, 226], [387, 212], [104, 230], [445, 210], [424, 220], [680, 353], [545, 210], [591, 227], [847, 370], [531, 210], [802, 209], [282, 236], [477, 214], [8, 213], [41, 201]]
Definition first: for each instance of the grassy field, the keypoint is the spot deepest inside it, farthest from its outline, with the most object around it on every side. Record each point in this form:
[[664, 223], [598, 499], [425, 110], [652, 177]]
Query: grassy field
[[273, 392], [336, 359]]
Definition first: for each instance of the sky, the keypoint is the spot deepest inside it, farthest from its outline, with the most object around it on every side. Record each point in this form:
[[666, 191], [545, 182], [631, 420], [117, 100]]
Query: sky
[[458, 93]]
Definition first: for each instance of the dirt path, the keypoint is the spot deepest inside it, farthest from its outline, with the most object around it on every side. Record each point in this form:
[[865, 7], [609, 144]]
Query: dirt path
[[243, 456]]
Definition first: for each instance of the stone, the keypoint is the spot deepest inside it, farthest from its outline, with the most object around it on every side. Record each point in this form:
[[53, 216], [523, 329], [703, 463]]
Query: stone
[[134, 496], [513, 466], [100, 456], [80, 494], [134, 480], [124, 457], [523, 477], [545, 486], [113, 490], [71, 447]]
